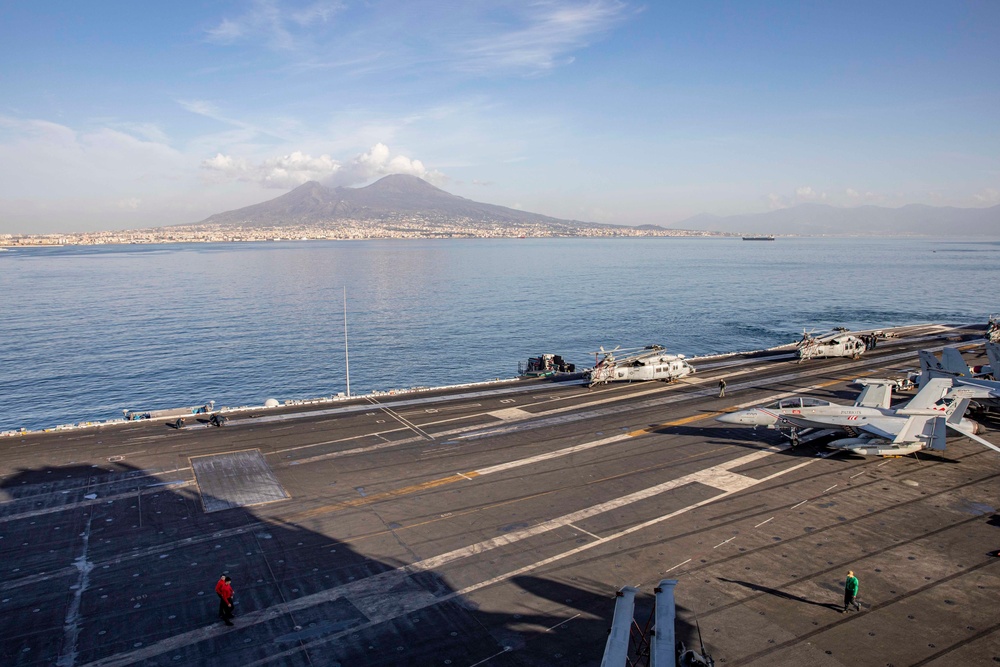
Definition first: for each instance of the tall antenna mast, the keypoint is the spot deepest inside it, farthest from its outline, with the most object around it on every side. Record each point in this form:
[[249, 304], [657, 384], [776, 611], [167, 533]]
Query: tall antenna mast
[[347, 358]]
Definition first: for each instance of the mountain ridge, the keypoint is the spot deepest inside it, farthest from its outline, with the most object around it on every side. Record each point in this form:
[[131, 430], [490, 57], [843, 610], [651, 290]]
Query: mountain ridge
[[815, 219], [412, 202]]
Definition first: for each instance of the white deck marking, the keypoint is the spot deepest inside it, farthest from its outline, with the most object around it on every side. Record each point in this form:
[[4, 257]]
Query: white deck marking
[[724, 542], [763, 522], [71, 626], [802, 503], [832, 487], [677, 566], [506, 649], [585, 532], [508, 414], [552, 455]]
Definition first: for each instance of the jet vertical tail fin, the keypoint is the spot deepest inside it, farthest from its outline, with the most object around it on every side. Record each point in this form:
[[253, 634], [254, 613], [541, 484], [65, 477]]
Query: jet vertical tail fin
[[930, 367], [953, 362], [956, 410], [993, 354], [954, 421]]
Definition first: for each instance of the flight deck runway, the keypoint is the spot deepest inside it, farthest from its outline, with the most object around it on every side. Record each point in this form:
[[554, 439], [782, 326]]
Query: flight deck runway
[[493, 525]]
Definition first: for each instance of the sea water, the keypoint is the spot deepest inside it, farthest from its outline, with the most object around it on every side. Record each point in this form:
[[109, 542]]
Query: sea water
[[86, 332]]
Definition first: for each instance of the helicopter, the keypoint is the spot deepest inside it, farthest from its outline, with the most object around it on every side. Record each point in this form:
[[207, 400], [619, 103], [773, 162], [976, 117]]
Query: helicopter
[[837, 343], [645, 363], [993, 329]]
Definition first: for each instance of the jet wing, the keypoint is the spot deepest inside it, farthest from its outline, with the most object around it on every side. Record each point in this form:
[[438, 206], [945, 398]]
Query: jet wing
[[884, 427], [981, 388]]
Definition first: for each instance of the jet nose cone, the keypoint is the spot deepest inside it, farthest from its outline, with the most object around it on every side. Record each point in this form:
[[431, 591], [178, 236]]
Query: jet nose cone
[[731, 418]]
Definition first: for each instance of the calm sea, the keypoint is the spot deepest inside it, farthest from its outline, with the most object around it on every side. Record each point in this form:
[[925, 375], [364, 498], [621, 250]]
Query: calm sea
[[89, 331]]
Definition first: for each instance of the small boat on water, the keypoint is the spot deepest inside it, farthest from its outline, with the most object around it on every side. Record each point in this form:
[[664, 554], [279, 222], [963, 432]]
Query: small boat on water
[[768, 237]]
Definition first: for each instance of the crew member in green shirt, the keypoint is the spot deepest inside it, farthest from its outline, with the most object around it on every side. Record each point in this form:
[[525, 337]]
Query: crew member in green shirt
[[851, 592]]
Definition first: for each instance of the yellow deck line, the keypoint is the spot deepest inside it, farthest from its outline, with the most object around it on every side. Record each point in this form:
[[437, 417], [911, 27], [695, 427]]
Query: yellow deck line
[[466, 476]]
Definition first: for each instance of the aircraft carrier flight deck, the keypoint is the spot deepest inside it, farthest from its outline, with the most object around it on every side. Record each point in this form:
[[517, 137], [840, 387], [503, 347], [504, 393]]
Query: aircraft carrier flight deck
[[492, 526]]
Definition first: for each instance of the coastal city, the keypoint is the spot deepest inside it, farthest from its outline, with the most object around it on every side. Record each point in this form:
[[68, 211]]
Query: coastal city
[[409, 227]]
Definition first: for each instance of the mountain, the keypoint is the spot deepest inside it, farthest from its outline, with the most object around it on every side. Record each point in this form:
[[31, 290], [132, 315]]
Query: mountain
[[401, 203], [822, 219], [392, 197]]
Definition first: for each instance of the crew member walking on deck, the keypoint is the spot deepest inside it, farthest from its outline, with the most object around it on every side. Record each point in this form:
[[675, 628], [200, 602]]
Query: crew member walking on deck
[[224, 590], [722, 387], [851, 592]]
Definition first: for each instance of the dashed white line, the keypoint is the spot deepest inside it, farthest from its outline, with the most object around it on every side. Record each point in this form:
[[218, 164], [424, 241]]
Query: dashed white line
[[677, 566], [763, 522]]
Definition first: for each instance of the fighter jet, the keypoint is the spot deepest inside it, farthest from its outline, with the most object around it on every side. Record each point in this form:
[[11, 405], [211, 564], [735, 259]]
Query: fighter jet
[[952, 364], [873, 429]]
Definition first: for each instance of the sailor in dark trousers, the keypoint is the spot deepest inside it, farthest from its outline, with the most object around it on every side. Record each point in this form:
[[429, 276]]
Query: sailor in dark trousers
[[722, 387], [851, 592], [224, 590]]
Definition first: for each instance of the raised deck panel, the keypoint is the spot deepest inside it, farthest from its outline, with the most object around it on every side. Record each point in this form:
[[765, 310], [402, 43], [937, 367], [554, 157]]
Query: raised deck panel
[[236, 479]]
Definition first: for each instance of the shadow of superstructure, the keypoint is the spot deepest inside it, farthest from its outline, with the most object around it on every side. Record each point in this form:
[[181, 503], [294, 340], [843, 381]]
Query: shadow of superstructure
[[784, 595], [110, 565]]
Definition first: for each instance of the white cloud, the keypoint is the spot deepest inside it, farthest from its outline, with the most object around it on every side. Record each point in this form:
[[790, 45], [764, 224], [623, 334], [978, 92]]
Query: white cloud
[[806, 193], [852, 193], [131, 204], [988, 196], [294, 169], [775, 202]]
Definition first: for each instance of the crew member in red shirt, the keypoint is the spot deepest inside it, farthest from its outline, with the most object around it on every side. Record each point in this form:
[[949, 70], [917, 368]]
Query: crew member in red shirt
[[224, 590]]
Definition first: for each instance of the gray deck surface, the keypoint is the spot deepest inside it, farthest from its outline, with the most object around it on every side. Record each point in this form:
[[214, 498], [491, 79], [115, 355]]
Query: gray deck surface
[[493, 526]]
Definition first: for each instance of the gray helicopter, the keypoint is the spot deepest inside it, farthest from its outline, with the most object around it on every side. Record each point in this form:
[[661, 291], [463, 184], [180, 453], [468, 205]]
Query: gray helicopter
[[837, 343], [647, 363]]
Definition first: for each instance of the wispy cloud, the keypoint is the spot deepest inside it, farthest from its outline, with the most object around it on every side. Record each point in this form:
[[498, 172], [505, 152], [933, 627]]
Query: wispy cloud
[[242, 130], [544, 35], [496, 38], [278, 24]]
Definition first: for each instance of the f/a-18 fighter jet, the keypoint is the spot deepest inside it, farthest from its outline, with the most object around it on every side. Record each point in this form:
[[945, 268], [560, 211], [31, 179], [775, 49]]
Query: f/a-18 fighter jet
[[872, 427], [952, 365]]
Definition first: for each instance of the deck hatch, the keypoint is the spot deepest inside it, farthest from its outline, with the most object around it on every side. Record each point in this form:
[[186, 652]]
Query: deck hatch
[[236, 479]]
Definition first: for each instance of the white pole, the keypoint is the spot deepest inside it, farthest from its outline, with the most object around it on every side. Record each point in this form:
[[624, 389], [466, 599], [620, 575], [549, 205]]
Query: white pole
[[347, 358]]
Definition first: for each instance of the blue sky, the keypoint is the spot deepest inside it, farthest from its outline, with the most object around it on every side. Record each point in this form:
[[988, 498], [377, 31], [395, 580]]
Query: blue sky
[[124, 114]]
